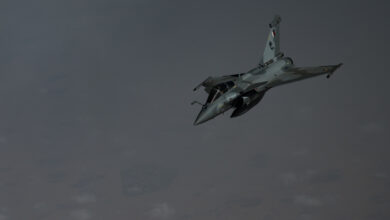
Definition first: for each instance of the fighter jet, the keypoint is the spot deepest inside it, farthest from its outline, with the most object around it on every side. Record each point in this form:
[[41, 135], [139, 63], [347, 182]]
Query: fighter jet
[[245, 90]]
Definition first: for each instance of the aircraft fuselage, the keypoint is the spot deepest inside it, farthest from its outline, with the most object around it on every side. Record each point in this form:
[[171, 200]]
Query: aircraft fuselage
[[244, 91], [279, 72]]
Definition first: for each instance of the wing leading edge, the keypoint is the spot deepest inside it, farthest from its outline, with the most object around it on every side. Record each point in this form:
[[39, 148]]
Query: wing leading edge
[[316, 70]]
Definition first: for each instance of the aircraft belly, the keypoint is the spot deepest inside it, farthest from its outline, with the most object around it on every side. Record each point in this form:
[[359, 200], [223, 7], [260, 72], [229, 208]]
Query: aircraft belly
[[244, 105]]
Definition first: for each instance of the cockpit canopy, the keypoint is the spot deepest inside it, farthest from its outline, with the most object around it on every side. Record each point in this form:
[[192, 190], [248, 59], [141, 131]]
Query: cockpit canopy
[[218, 90]]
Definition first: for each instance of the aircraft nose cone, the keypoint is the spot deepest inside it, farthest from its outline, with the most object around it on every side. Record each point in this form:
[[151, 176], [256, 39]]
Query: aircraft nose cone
[[203, 116]]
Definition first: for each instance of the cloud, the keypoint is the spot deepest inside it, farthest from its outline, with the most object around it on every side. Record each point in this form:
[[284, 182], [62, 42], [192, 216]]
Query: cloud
[[372, 128], [162, 210], [306, 216], [381, 175], [139, 179], [40, 206], [87, 181], [311, 176], [244, 202], [56, 177], [85, 198], [326, 176], [80, 214], [3, 217], [300, 152], [306, 200], [259, 160], [3, 140], [288, 178], [381, 199]]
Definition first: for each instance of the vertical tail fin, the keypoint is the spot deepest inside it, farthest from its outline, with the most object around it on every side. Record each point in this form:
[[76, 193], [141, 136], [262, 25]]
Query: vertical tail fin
[[272, 48]]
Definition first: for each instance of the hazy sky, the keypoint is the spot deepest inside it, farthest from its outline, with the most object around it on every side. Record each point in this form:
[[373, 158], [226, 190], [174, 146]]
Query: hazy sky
[[96, 122]]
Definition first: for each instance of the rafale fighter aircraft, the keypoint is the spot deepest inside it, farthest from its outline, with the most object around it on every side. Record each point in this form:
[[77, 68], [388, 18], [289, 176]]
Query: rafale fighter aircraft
[[243, 91]]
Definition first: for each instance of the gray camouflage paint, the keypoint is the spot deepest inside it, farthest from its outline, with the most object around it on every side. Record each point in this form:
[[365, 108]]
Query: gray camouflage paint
[[95, 100], [274, 70]]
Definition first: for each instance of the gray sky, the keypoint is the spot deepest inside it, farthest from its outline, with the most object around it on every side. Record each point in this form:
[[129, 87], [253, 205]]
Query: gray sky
[[96, 121]]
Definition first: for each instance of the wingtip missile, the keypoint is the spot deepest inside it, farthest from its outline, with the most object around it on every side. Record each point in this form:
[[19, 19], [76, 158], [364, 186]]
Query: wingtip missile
[[335, 67]]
